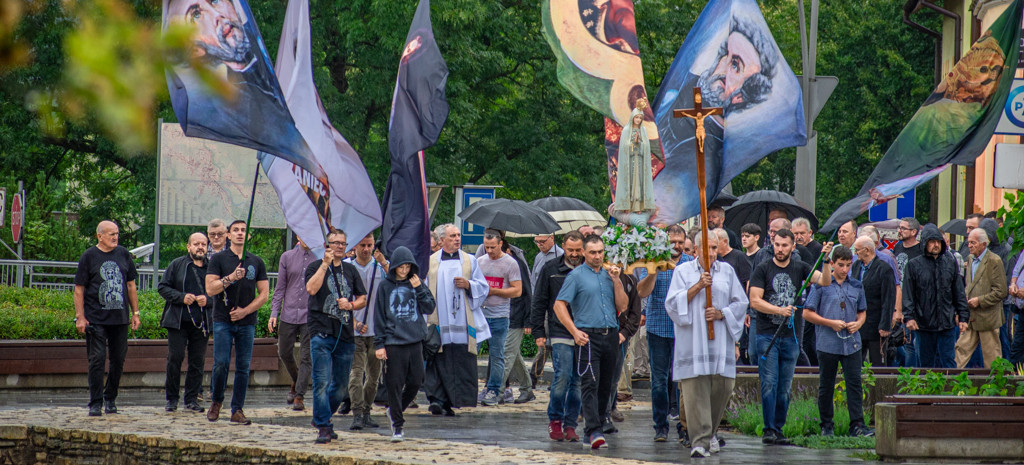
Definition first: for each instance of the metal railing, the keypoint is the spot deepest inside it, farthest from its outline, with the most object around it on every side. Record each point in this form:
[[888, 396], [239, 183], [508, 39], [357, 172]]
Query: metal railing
[[60, 276]]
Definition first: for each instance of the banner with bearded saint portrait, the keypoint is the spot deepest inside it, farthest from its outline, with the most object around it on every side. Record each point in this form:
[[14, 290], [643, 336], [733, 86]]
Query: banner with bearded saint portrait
[[953, 126], [598, 54], [731, 55], [354, 206], [251, 112]]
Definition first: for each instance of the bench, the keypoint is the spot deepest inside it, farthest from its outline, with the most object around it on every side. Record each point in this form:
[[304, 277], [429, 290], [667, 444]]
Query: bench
[[950, 427]]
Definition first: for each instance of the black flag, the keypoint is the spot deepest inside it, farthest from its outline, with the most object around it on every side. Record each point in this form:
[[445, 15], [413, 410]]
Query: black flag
[[418, 112]]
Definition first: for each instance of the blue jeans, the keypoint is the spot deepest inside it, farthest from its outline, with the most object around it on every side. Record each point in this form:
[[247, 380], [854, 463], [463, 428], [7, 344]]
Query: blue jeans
[[776, 373], [565, 403], [224, 336], [908, 352], [935, 349], [660, 351], [1005, 336], [332, 362], [496, 355]]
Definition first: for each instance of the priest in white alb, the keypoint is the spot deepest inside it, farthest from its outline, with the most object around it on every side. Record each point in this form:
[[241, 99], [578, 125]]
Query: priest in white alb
[[459, 288], [705, 369]]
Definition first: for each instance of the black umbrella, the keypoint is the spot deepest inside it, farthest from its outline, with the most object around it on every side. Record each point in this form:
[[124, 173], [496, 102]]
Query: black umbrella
[[723, 200], [510, 215], [570, 213], [753, 207], [956, 226]]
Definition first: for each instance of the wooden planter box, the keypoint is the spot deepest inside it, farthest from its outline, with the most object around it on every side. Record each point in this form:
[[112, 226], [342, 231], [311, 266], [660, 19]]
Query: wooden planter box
[[950, 427], [68, 357]]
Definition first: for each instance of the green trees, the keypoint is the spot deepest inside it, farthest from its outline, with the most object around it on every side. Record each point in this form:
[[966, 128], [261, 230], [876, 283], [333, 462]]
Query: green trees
[[511, 123]]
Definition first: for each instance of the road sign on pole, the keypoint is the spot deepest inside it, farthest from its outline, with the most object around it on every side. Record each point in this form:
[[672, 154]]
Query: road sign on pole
[[16, 218]]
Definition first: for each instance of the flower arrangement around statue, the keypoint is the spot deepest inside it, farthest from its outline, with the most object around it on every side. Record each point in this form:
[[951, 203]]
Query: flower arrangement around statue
[[632, 247]]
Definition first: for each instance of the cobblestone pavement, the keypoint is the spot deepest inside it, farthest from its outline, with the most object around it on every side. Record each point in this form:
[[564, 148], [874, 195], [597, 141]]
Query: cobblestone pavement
[[502, 434]]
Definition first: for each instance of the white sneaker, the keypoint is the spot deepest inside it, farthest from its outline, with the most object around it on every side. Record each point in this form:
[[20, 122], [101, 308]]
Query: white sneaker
[[715, 448], [699, 453]]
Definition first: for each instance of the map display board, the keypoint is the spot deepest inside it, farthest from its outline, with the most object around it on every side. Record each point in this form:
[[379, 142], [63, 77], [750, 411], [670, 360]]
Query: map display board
[[201, 179]]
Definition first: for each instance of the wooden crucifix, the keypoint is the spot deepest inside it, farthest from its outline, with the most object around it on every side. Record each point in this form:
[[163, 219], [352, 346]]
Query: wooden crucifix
[[698, 113]]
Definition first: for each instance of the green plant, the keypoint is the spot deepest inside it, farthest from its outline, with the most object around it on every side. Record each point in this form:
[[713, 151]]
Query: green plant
[[802, 420], [934, 383], [961, 385], [1013, 219], [909, 381], [996, 384]]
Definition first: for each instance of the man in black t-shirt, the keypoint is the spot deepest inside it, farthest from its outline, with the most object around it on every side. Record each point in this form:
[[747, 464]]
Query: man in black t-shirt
[[239, 287], [773, 293], [335, 290], [104, 293]]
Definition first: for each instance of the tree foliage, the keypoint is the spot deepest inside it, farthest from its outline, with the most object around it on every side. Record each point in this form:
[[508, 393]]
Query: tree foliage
[[511, 123]]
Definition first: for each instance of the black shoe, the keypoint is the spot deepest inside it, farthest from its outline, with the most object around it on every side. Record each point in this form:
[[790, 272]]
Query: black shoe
[[830, 431], [861, 430], [109, 407], [684, 436], [448, 412], [333, 434], [768, 438], [368, 422], [608, 427], [435, 409], [661, 435], [95, 411], [357, 422], [194, 407], [413, 404], [324, 435], [172, 405], [345, 408]]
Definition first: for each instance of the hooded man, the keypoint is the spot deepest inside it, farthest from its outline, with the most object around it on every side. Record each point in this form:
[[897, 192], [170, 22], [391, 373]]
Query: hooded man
[[402, 304], [934, 303]]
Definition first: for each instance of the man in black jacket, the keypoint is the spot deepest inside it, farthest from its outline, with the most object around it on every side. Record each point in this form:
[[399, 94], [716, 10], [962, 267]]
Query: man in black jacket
[[879, 285], [188, 320], [565, 404], [934, 302]]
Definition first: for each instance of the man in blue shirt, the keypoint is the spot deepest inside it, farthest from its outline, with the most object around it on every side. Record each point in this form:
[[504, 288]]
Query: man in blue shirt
[[838, 311], [596, 296], [661, 344]]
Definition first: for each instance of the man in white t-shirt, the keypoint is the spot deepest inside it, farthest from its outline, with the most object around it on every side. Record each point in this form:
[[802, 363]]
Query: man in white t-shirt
[[503, 276]]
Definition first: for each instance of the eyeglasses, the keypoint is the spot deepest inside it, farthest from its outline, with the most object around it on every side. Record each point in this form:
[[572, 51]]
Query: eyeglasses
[[541, 241], [217, 234], [338, 243], [901, 228]]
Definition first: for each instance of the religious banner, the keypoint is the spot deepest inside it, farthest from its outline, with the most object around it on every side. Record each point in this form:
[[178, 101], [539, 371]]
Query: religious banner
[[731, 56], [419, 110], [598, 55], [354, 206], [254, 113], [955, 123]]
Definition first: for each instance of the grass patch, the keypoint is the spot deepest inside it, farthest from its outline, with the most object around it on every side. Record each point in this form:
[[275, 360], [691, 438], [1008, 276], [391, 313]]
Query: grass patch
[[802, 425], [834, 442]]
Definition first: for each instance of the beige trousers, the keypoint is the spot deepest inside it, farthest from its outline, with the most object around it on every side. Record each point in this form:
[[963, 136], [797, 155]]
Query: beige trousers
[[991, 348], [705, 398]]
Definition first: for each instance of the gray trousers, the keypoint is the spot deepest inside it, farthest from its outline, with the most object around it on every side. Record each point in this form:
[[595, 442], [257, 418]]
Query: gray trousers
[[287, 335], [705, 399], [514, 360], [364, 361]]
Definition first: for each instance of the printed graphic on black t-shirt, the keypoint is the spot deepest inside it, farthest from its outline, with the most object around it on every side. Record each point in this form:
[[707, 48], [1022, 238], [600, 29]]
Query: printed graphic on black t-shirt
[[904, 255], [324, 315], [105, 277], [403, 304], [780, 287]]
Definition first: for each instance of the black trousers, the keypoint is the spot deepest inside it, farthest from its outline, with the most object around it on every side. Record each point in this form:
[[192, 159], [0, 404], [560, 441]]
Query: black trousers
[[828, 365], [403, 376], [596, 363], [872, 352], [101, 341], [179, 341]]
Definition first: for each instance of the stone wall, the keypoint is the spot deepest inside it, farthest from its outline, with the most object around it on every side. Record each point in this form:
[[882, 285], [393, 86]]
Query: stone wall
[[44, 445]]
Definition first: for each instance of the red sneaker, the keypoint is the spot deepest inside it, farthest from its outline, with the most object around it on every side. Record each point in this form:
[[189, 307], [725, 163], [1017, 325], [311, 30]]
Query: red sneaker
[[555, 431], [570, 435]]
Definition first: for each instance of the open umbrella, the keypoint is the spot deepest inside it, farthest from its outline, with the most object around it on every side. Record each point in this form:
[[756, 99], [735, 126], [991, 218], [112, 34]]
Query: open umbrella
[[570, 214], [956, 226], [753, 207], [510, 215], [723, 199]]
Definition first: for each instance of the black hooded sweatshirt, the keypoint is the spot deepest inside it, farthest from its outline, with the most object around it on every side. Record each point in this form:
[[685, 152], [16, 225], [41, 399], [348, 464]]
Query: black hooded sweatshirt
[[933, 293], [400, 316]]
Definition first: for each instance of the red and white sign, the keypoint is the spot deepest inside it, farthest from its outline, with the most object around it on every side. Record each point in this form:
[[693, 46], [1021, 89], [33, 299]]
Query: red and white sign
[[16, 218]]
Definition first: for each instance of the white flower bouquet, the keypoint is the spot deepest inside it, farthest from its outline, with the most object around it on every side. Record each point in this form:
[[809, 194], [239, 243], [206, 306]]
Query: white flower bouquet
[[637, 246]]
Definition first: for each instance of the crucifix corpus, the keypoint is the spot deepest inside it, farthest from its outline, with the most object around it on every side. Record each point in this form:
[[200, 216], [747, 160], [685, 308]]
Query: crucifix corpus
[[698, 113]]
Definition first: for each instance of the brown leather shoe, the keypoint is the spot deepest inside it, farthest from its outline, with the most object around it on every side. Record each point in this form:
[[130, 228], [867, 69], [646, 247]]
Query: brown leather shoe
[[291, 395], [239, 418], [214, 413], [297, 404]]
